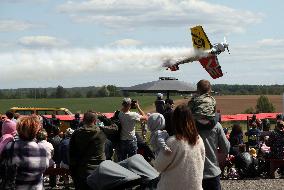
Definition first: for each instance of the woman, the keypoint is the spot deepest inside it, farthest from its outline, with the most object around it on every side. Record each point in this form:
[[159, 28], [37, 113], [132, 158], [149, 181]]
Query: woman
[[183, 167], [236, 138], [31, 158]]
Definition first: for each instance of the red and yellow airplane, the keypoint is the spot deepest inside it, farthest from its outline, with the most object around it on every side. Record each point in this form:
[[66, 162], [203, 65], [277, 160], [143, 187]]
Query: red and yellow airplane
[[206, 54]]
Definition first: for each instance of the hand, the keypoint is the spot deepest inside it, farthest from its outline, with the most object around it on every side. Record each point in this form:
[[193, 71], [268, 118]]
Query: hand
[[167, 150]]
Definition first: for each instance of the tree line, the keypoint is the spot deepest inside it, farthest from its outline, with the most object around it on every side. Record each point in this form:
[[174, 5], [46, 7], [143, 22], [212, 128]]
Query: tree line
[[114, 91]]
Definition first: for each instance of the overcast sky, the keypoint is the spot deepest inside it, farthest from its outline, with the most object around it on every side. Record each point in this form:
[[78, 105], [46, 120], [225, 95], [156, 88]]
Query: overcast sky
[[45, 43]]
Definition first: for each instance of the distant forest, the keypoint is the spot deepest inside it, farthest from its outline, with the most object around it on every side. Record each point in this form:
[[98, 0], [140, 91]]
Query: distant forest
[[113, 91]]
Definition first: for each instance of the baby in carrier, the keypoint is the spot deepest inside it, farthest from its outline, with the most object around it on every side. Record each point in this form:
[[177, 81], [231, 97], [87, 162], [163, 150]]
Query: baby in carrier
[[203, 105], [156, 124]]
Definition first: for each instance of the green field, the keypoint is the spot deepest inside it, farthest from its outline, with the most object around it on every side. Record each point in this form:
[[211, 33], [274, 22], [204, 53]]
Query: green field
[[108, 104]]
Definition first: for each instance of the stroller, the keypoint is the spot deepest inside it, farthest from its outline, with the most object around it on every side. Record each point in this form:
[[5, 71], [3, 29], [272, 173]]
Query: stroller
[[134, 173]]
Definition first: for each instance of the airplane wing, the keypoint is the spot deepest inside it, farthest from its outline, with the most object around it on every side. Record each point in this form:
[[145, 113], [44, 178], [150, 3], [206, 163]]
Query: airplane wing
[[200, 39], [212, 66]]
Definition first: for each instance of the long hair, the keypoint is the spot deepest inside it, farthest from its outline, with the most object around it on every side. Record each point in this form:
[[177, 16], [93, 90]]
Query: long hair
[[184, 124]]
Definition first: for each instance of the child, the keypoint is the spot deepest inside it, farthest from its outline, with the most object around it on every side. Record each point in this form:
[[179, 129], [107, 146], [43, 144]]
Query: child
[[42, 139], [203, 105], [156, 124], [8, 132]]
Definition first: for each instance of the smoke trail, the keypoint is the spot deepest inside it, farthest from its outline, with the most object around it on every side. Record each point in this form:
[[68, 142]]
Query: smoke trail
[[59, 63], [194, 55]]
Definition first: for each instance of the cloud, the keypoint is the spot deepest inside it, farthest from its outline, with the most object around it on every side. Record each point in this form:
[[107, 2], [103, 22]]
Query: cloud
[[14, 25], [126, 43], [271, 42], [41, 41], [160, 13]]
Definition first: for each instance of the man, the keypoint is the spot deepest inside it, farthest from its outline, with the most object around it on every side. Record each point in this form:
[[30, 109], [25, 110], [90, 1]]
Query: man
[[253, 136], [55, 140], [75, 123], [86, 150], [55, 121], [276, 141], [160, 104], [168, 116], [213, 138], [128, 119]]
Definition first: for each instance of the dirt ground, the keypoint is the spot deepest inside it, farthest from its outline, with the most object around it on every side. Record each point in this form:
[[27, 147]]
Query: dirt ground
[[236, 104]]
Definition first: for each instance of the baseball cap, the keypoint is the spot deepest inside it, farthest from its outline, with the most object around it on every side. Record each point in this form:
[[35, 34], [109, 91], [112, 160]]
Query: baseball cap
[[160, 95], [126, 101]]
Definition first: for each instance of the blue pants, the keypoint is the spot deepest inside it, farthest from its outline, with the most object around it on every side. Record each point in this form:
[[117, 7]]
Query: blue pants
[[127, 148], [211, 183]]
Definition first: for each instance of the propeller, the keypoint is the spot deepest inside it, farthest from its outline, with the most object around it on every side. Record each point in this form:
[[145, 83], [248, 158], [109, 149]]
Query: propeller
[[226, 45]]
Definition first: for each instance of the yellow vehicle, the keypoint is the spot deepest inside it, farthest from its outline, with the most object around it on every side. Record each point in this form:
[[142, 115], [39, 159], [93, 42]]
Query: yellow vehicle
[[40, 111], [63, 114]]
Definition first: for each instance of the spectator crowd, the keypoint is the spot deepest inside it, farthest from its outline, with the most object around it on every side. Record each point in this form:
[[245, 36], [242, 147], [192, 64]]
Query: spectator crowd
[[187, 145]]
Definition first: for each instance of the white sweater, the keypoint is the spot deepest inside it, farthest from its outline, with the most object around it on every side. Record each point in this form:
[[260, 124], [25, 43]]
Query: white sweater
[[183, 168]]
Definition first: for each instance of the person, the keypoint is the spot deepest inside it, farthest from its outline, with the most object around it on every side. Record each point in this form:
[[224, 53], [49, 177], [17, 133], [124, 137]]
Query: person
[[42, 139], [55, 121], [246, 162], [158, 137], [55, 140], [203, 105], [183, 168], [75, 123], [276, 141], [213, 135], [160, 104], [31, 158], [64, 153], [218, 116], [144, 149], [2, 119], [86, 150], [236, 138], [128, 119], [8, 133], [10, 115], [254, 121], [168, 114], [253, 136]]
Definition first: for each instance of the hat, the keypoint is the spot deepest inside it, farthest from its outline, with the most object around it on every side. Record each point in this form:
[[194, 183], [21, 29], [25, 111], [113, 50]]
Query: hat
[[156, 121], [160, 95], [9, 127], [126, 101], [252, 152]]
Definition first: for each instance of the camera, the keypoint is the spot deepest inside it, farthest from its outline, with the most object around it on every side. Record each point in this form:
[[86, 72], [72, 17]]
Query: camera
[[133, 104]]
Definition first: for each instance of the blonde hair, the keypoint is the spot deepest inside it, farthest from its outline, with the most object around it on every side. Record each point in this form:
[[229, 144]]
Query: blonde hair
[[28, 127]]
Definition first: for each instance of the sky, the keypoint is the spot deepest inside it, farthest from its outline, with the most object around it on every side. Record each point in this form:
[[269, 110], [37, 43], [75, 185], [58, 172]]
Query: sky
[[46, 43]]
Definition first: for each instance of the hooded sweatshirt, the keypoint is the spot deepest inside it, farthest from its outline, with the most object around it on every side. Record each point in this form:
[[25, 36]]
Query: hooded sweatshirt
[[8, 133], [87, 148], [156, 124]]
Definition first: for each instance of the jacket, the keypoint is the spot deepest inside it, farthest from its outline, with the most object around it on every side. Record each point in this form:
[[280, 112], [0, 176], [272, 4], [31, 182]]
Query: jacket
[[213, 138]]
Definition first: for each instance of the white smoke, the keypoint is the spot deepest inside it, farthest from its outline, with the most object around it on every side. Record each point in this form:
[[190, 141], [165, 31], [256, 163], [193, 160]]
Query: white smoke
[[53, 64]]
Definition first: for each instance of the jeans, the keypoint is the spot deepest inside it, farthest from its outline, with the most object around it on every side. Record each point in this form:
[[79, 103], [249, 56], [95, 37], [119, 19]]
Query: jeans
[[211, 183], [127, 148]]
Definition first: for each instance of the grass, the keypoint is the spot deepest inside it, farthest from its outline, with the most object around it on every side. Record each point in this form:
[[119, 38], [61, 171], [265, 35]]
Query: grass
[[106, 104]]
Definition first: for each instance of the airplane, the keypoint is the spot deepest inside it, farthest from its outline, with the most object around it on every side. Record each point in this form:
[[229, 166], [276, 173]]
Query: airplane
[[206, 54]]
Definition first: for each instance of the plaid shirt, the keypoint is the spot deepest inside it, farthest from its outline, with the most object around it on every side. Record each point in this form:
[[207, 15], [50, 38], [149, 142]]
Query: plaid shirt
[[32, 160]]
